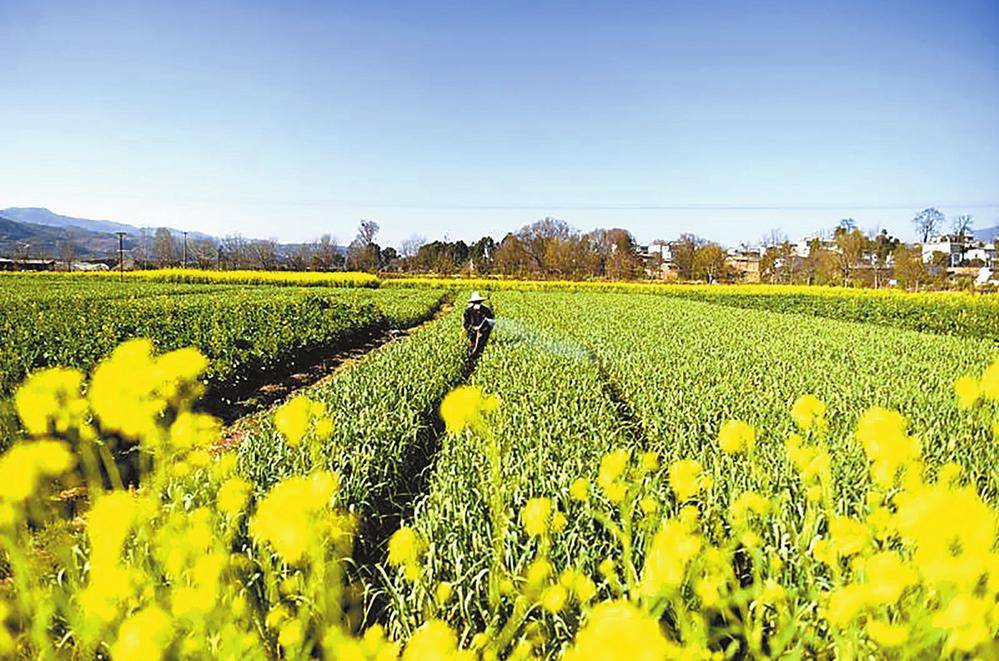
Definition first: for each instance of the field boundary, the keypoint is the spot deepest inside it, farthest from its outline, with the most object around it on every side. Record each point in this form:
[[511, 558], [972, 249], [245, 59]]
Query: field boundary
[[307, 369]]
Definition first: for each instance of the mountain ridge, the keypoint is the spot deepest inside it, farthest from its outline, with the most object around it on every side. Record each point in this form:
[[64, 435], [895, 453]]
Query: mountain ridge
[[45, 217]]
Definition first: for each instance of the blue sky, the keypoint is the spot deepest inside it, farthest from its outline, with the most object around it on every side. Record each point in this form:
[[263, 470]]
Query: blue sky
[[290, 120]]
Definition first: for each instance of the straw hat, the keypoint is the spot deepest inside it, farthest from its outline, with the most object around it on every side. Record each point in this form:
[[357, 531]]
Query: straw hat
[[476, 297]]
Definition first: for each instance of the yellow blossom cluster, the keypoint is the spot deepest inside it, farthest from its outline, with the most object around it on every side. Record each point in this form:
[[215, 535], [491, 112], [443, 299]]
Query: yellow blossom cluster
[[300, 415], [465, 407], [294, 513]]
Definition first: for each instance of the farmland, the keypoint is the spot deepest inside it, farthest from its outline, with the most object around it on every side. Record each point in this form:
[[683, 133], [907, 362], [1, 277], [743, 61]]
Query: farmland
[[687, 470]]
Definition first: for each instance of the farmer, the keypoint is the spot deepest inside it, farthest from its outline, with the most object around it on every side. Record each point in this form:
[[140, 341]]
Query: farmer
[[479, 322]]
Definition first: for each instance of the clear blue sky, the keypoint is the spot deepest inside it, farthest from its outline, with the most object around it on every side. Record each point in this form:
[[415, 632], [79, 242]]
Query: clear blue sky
[[293, 119]]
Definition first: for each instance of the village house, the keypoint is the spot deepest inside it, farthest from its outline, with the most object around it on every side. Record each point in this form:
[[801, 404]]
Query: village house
[[745, 263]]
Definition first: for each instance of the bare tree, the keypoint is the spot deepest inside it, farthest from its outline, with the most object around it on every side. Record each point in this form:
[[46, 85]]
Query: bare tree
[[324, 254], [265, 253], [301, 256], [235, 252], [847, 225], [684, 249], [709, 262], [411, 246], [67, 250], [364, 254], [961, 225], [927, 222], [164, 248], [773, 238], [203, 253]]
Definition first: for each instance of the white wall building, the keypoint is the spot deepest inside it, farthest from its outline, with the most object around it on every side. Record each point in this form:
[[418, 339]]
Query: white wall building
[[947, 245]]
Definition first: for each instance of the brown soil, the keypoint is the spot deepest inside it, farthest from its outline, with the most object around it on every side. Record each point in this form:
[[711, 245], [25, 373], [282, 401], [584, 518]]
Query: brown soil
[[239, 415]]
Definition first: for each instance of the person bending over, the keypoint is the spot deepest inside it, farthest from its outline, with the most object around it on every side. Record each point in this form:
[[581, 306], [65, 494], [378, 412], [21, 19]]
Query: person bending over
[[479, 320]]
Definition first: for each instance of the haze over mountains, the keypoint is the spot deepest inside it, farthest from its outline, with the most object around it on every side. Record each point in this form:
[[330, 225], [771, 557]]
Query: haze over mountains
[[39, 232]]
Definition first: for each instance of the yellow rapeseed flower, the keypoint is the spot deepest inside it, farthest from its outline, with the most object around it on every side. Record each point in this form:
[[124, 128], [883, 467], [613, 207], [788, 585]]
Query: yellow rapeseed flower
[[433, 640], [535, 516], [844, 604], [736, 436], [559, 521], [191, 430], [291, 634], [670, 551], [538, 572], [144, 635], [649, 462], [443, 592], [287, 516], [464, 407], [404, 547], [968, 390], [612, 467], [887, 576], [990, 382], [808, 412], [232, 496], [553, 598], [747, 502], [848, 535], [618, 631], [773, 592], [292, 419], [583, 588], [580, 489], [131, 389], [887, 634], [888, 447], [685, 478], [709, 590], [50, 401], [965, 619], [951, 531], [26, 464]]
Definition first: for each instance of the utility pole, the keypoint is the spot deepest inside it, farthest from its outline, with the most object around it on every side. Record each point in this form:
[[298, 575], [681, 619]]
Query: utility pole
[[121, 254], [219, 260], [185, 249]]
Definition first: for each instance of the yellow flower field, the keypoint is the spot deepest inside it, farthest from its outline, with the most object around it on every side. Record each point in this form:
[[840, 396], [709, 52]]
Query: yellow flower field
[[658, 479]]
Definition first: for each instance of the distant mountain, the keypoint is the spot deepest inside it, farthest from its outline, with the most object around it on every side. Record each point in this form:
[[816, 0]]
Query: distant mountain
[[23, 239], [41, 216], [986, 234], [37, 232]]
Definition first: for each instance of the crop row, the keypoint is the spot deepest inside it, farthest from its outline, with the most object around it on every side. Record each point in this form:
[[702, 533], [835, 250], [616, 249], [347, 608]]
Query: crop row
[[556, 420], [687, 366], [383, 435], [579, 376], [241, 331], [947, 313]]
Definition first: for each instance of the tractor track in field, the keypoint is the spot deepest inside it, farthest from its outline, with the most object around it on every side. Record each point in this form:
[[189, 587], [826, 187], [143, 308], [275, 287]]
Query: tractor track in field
[[257, 396]]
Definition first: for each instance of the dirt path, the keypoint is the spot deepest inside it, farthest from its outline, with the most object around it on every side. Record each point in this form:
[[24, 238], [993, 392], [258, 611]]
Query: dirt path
[[314, 369]]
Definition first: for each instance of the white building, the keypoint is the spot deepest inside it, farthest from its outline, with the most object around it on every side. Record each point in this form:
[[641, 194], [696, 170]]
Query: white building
[[660, 249], [985, 253], [948, 245], [803, 248]]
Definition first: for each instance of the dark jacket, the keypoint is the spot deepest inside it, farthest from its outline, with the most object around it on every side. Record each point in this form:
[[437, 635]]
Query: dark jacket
[[476, 316]]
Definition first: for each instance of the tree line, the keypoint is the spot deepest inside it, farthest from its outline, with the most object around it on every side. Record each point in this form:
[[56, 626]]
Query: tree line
[[551, 248]]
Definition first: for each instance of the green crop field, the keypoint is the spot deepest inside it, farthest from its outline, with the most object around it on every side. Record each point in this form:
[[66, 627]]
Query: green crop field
[[718, 472]]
